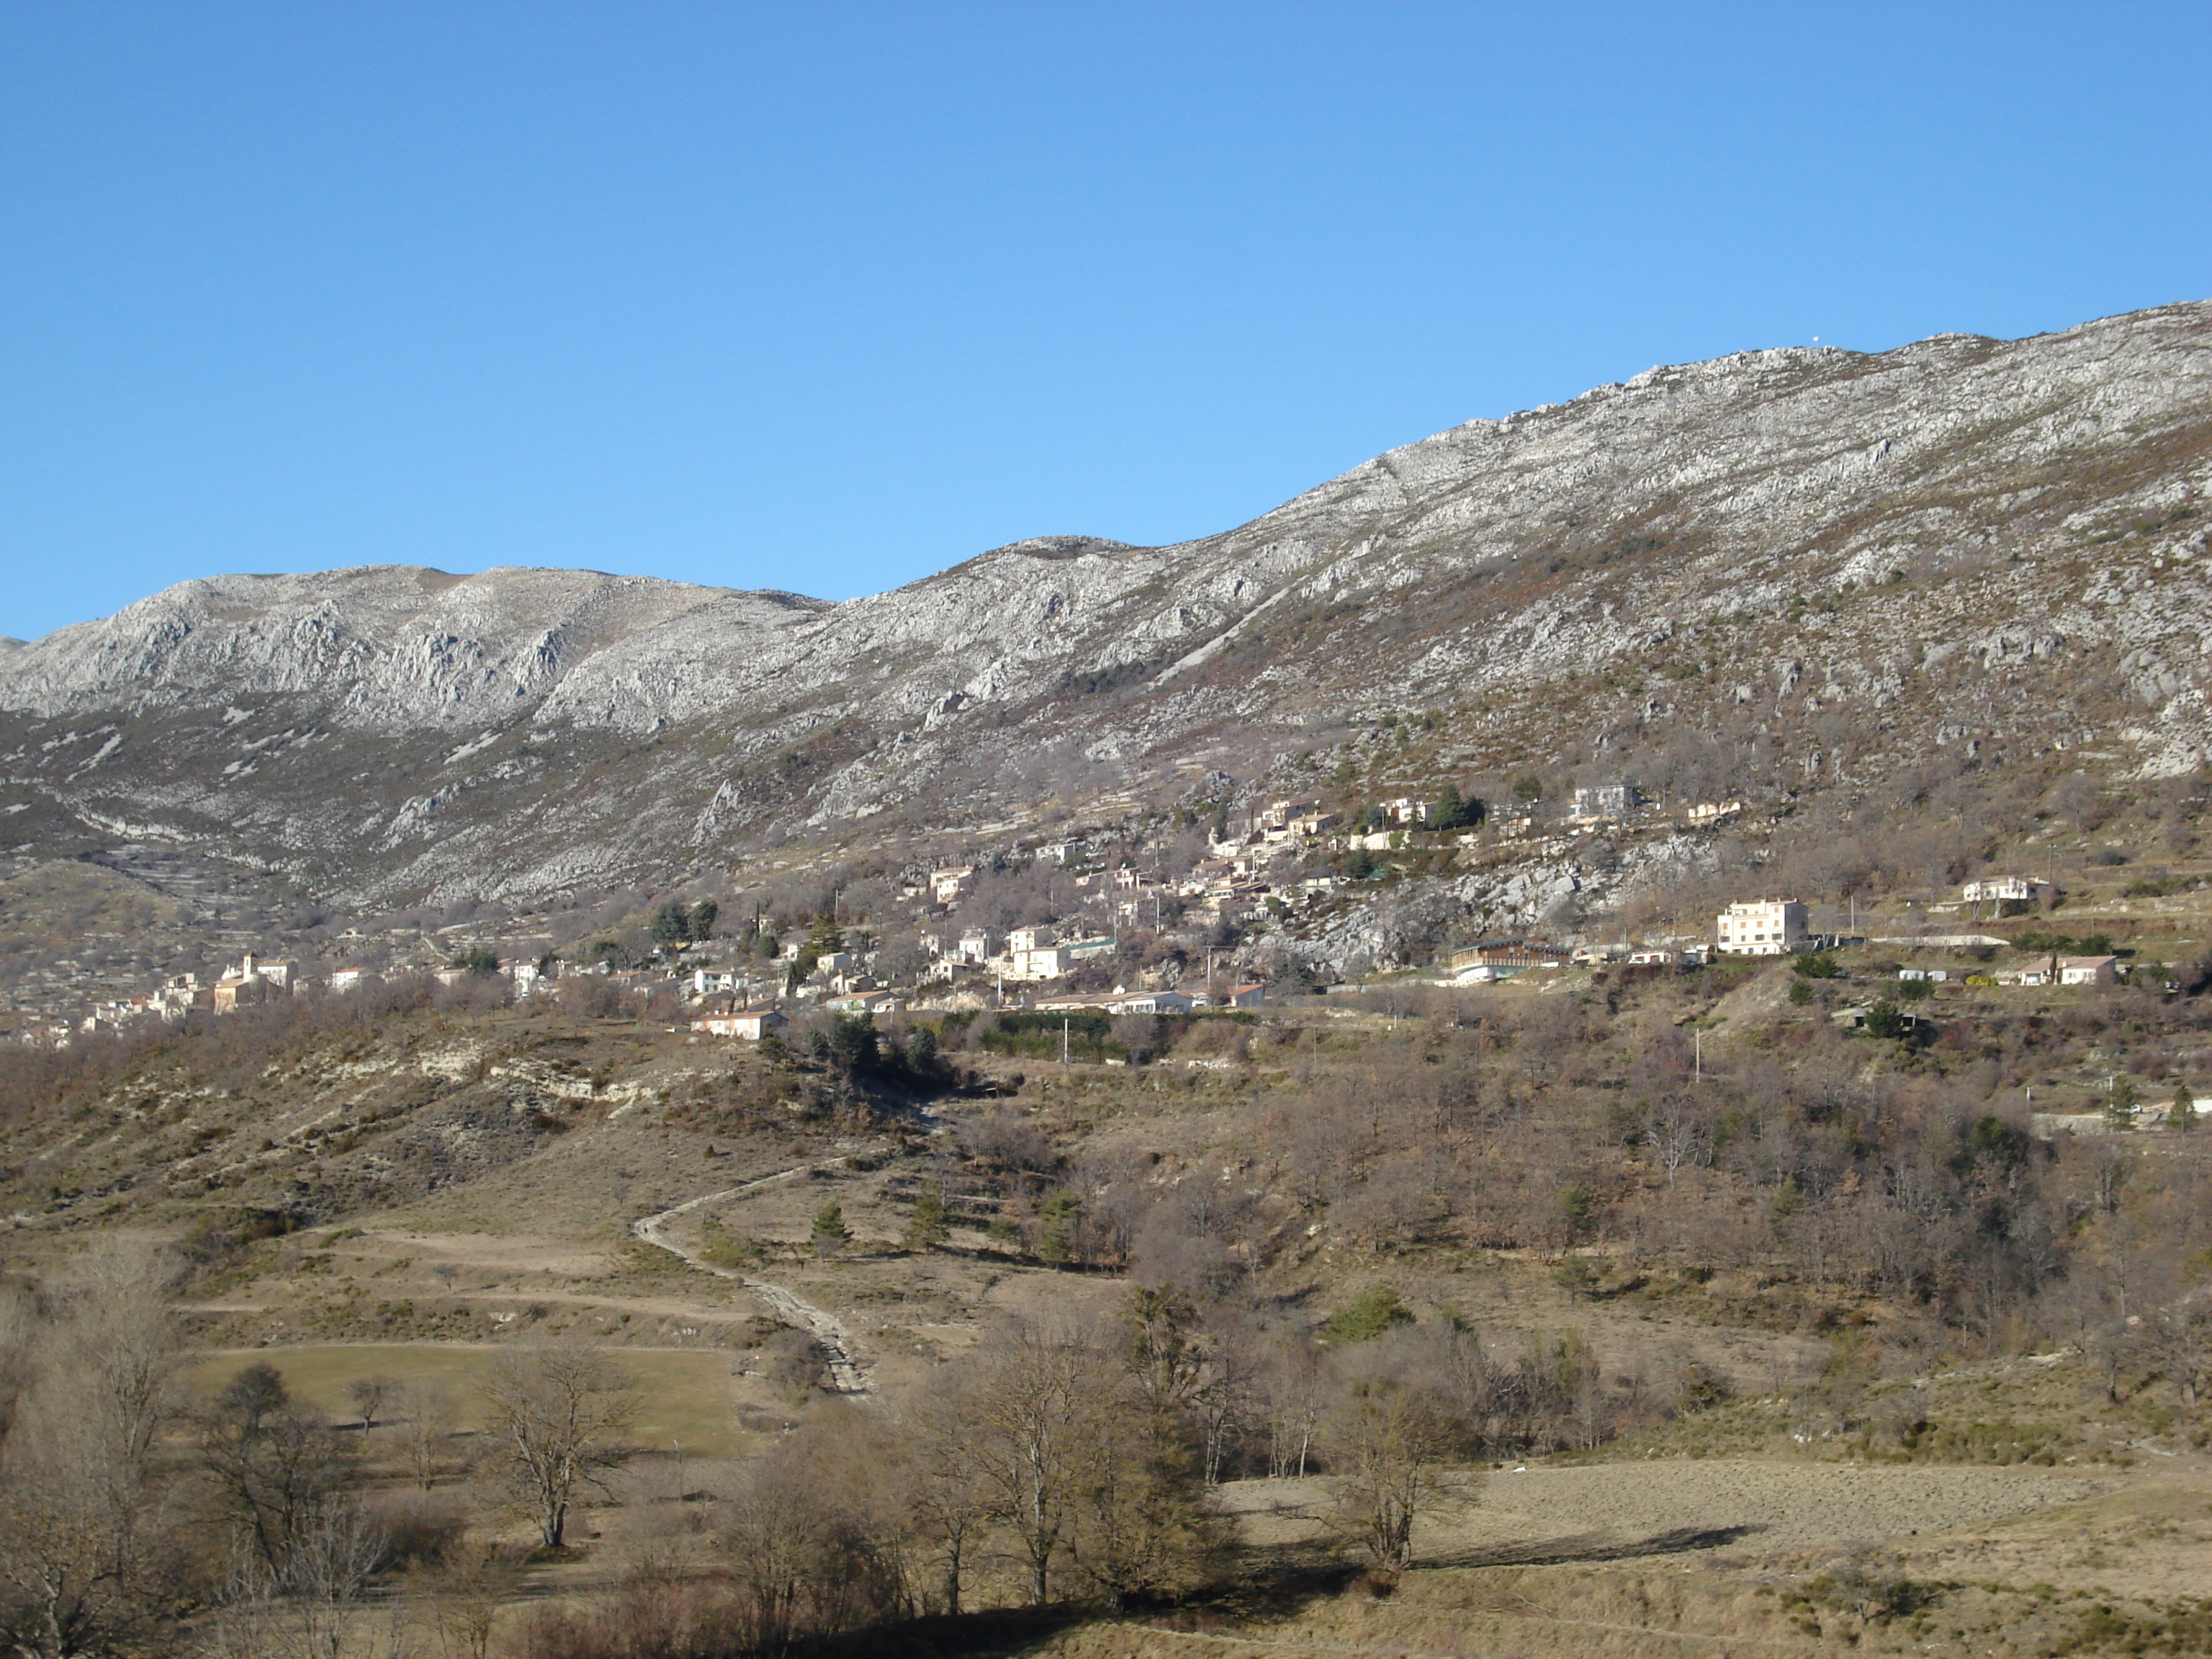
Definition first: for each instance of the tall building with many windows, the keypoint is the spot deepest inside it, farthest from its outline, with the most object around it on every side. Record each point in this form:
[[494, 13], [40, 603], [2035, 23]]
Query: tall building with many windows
[[1772, 927]]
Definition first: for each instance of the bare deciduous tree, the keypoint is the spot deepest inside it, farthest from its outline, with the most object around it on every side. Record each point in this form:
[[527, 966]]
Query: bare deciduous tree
[[466, 1592], [555, 1407], [1031, 1386], [948, 1501], [76, 1536], [268, 1461], [81, 1521], [1390, 1444], [1675, 1136], [428, 1414], [368, 1395]]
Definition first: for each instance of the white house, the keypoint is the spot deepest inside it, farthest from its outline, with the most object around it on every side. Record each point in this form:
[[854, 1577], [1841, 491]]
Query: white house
[[1769, 927], [2088, 970], [1044, 962], [945, 886], [750, 1023], [1031, 939], [1151, 1002], [1998, 889], [1406, 809]]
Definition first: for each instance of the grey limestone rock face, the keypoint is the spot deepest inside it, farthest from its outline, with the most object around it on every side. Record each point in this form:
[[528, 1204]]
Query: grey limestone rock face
[[1847, 534]]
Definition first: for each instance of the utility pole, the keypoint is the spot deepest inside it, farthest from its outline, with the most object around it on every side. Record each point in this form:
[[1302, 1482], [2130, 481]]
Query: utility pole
[[1698, 1041], [1063, 1041]]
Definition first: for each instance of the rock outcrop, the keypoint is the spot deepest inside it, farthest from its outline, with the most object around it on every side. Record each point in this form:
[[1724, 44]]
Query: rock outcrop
[[1963, 541]]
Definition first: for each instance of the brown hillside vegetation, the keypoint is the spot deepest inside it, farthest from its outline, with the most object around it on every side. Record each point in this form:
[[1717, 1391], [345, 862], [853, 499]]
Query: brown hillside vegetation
[[1815, 1314]]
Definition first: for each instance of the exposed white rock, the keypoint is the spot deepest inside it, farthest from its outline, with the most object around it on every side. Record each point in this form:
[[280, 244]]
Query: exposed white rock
[[391, 731]]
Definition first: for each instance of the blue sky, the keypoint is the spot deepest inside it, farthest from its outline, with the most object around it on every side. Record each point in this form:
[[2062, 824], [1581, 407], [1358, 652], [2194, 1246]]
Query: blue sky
[[828, 297]]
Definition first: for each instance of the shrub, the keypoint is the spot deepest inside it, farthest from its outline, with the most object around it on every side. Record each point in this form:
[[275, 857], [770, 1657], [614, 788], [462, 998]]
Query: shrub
[[1368, 1316]]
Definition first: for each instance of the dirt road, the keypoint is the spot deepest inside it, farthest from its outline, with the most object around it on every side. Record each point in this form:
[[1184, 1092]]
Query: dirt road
[[849, 1375]]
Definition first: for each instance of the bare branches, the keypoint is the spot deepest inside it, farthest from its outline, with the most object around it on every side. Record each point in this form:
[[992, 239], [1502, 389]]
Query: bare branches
[[555, 1409]]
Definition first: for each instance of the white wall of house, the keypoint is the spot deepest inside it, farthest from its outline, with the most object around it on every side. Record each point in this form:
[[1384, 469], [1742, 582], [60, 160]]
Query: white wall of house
[[1767, 927]]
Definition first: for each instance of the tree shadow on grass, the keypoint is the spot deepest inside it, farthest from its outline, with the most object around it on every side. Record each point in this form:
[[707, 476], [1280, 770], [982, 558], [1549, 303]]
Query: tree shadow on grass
[[1267, 1586], [1593, 1546], [939, 1636]]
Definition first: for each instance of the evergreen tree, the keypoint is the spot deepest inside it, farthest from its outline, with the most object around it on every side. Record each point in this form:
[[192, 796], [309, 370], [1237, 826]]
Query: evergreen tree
[[927, 1227], [1056, 1229], [1450, 810], [2184, 1107], [922, 1050], [699, 924], [2120, 1104], [830, 1234], [854, 1045], [1371, 1313]]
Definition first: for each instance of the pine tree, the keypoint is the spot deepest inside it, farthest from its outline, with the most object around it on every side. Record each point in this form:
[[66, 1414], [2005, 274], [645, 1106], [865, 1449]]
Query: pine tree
[[830, 1234], [2120, 1104], [922, 1050], [1056, 1221], [2184, 1108], [925, 1228]]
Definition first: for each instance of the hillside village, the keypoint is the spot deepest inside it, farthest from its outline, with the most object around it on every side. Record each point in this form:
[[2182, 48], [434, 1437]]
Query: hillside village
[[1200, 911]]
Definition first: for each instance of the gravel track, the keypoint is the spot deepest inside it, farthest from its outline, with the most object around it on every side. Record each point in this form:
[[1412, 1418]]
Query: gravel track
[[849, 1375]]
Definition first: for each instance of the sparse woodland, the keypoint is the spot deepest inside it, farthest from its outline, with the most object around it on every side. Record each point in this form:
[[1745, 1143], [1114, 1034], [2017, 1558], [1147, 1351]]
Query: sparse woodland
[[1271, 1305]]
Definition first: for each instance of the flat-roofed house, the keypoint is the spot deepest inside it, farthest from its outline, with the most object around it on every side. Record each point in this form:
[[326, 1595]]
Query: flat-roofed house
[[1766, 927]]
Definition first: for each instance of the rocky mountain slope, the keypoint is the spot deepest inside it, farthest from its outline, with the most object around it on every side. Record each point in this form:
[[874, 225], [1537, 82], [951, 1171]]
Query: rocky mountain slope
[[1847, 559]]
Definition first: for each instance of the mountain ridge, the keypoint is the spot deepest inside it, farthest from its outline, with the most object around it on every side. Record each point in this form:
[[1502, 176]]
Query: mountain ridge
[[2026, 506]]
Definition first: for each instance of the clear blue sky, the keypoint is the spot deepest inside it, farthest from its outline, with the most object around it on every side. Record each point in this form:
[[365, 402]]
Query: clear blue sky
[[828, 297]]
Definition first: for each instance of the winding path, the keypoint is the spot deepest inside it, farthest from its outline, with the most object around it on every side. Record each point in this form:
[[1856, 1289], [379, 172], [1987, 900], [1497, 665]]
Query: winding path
[[847, 1373]]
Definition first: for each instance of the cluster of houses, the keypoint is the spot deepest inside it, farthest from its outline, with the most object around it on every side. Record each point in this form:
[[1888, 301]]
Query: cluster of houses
[[253, 982], [978, 966], [1774, 927]]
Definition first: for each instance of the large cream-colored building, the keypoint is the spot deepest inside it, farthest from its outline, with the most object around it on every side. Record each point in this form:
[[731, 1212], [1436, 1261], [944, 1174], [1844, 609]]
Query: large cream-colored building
[[1772, 927]]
